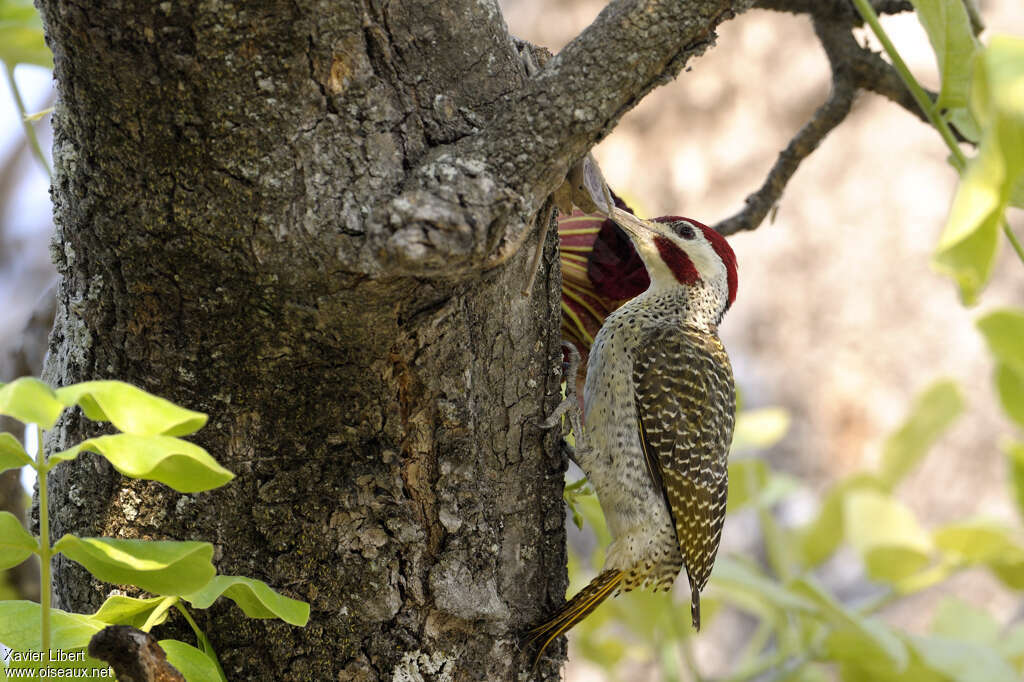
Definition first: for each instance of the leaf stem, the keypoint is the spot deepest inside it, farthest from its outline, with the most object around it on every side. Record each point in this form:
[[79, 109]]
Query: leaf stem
[[45, 551], [1013, 239], [201, 639], [30, 131], [922, 98]]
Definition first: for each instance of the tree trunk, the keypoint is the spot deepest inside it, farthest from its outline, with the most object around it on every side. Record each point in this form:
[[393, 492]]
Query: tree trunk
[[304, 219], [210, 163]]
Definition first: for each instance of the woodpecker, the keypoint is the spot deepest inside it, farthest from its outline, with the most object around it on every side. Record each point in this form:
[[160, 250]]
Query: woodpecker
[[659, 405]]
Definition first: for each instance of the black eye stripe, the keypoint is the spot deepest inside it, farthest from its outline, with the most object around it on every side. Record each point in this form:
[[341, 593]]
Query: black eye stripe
[[683, 229]]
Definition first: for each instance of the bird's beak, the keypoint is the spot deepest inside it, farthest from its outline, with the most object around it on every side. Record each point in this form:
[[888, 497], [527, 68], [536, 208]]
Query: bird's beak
[[636, 227]]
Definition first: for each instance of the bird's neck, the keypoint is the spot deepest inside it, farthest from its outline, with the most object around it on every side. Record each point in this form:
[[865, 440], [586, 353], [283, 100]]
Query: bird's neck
[[694, 306]]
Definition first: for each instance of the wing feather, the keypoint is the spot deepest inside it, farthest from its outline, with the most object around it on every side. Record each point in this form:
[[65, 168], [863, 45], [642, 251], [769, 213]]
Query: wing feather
[[686, 405]]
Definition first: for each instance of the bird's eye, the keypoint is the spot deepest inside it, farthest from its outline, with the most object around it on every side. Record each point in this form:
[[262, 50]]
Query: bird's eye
[[684, 229]]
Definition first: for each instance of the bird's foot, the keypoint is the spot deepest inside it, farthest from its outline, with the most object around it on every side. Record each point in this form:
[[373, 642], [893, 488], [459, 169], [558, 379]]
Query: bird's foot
[[568, 416]]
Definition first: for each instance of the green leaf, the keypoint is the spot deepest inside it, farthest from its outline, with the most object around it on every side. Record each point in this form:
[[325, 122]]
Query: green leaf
[[974, 542], [967, 248], [160, 567], [734, 575], [16, 544], [192, 663], [1011, 646], [963, 120], [20, 622], [949, 31], [762, 428], [254, 597], [992, 178], [747, 476], [1010, 386], [864, 636], [820, 538], [131, 409], [1003, 331], [887, 535], [868, 643], [931, 414], [962, 661], [21, 35], [958, 619], [984, 543], [184, 466], [997, 98], [120, 610], [12, 455], [1015, 455], [30, 401]]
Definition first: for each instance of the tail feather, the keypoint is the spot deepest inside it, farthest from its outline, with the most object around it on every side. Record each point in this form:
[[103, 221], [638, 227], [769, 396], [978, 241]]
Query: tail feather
[[575, 610], [695, 607]]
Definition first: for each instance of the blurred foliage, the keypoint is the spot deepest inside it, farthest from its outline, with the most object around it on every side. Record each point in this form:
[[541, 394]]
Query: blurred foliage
[[21, 35], [22, 42], [802, 630]]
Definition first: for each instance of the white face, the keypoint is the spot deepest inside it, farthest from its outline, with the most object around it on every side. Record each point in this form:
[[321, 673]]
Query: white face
[[688, 237]]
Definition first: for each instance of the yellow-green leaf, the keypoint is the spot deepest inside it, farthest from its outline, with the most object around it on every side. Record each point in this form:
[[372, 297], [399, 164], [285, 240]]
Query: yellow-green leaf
[[984, 543], [820, 538], [16, 544], [962, 661], [21, 35], [254, 597], [761, 428], [853, 632], [131, 409], [887, 535], [967, 248], [1004, 333], [184, 466], [192, 663], [949, 31], [30, 401], [1015, 457], [730, 574], [19, 627], [12, 455], [959, 619], [931, 414], [1010, 386], [121, 610], [160, 567]]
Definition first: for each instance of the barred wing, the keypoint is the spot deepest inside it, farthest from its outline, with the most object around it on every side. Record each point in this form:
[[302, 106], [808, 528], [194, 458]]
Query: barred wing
[[686, 404]]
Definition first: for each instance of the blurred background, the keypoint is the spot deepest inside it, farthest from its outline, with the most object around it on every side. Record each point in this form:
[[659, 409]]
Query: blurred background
[[839, 327], [840, 319]]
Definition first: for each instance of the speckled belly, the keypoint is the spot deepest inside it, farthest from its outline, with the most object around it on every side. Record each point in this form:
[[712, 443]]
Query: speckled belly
[[638, 519]]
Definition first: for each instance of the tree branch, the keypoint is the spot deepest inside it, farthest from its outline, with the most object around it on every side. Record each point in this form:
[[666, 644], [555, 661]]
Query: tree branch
[[853, 68], [466, 199], [839, 11], [825, 119]]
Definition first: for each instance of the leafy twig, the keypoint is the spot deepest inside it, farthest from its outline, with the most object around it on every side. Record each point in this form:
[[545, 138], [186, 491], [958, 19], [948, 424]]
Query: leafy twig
[[923, 101], [30, 131]]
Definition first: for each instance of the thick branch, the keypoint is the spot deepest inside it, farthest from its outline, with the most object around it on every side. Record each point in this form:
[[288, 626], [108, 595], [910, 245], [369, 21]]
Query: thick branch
[[467, 198], [840, 11]]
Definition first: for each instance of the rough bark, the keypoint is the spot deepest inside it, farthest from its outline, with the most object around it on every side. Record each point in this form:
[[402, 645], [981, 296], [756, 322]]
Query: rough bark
[[282, 214]]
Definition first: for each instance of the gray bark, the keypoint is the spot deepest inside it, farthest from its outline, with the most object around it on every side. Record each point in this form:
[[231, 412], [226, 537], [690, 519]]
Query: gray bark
[[286, 215]]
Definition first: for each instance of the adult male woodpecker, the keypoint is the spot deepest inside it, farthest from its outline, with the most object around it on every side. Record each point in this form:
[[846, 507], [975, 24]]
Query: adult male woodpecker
[[659, 405]]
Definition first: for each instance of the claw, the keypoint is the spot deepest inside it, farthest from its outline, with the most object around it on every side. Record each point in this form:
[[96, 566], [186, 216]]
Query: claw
[[570, 406]]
